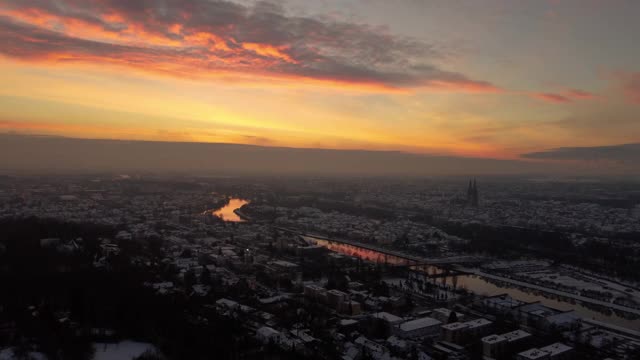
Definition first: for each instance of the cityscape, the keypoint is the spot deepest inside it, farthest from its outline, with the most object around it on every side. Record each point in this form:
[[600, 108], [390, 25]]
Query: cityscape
[[319, 179], [442, 268]]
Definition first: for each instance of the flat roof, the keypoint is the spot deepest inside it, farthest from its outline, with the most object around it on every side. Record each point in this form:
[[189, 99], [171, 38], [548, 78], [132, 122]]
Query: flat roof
[[455, 326], [284, 263], [557, 348], [478, 322], [533, 354], [387, 317], [419, 324], [493, 339], [347, 322], [516, 335]]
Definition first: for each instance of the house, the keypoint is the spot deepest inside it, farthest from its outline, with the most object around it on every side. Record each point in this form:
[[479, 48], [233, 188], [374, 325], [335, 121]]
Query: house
[[266, 334]]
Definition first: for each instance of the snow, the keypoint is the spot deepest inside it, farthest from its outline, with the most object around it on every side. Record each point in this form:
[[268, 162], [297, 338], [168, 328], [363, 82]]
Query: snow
[[124, 350], [7, 354], [419, 324]]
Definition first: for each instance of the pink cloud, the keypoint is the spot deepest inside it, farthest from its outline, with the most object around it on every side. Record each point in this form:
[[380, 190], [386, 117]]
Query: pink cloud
[[579, 94], [552, 98], [564, 97]]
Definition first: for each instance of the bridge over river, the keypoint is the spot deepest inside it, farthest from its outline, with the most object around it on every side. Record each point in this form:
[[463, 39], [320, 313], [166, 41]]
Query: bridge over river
[[466, 275], [392, 257]]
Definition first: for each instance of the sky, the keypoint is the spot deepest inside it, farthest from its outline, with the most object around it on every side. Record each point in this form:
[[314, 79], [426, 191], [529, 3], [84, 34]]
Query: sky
[[525, 80]]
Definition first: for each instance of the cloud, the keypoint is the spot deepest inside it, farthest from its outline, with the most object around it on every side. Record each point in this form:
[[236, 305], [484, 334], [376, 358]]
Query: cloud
[[625, 153], [567, 96], [579, 94], [631, 87], [213, 37], [552, 98]]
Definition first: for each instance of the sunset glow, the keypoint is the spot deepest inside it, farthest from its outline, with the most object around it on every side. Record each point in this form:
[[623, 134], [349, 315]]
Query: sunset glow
[[414, 77]]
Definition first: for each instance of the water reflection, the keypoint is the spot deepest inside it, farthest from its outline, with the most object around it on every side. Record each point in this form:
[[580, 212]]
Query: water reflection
[[228, 212], [482, 286]]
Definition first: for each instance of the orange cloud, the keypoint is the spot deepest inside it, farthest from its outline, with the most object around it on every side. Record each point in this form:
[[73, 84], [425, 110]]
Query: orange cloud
[[552, 98], [565, 97], [206, 38], [269, 51]]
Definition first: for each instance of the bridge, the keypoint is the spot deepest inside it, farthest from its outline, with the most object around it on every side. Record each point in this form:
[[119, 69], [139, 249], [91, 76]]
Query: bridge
[[411, 260]]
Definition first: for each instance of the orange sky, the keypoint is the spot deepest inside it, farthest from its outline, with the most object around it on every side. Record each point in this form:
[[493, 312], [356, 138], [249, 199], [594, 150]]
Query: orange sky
[[300, 75]]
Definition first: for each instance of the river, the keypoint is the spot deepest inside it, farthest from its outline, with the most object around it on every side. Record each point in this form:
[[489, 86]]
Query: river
[[482, 286], [228, 212]]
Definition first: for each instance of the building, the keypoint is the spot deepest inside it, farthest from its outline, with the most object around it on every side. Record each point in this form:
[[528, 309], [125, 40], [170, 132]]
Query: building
[[387, 318], [351, 307], [443, 314], [533, 354], [493, 347], [336, 298], [266, 334], [454, 332], [517, 340], [383, 324], [423, 327], [315, 292], [478, 328], [558, 351], [464, 332], [283, 266], [501, 304], [541, 316], [499, 346], [371, 347], [448, 351]]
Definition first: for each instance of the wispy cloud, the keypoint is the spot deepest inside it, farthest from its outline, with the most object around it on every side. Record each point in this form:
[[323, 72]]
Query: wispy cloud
[[213, 37], [625, 153], [631, 87], [564, 97]]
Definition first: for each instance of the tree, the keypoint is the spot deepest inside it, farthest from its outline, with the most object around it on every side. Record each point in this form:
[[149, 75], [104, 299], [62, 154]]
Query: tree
[[205, 276], [189, 279], [453, 317]]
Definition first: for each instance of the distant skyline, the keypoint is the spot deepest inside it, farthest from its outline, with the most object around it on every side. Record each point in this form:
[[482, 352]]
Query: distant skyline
[[532, 82]]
